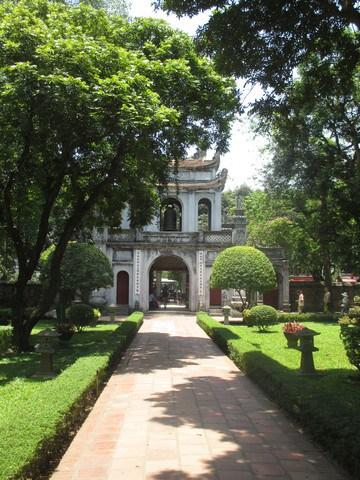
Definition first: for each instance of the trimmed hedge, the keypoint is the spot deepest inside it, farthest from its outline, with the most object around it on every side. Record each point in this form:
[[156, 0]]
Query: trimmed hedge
[[5, 338], [37, 417], [308, 317], [326, 406]]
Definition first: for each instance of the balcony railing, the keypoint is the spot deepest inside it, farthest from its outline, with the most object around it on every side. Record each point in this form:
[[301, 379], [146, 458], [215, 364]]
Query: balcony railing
[[130, 236]]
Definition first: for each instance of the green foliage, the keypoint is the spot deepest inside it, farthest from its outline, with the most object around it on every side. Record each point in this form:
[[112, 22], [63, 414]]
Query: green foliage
[[80, 315], [356, 300], [215, 330], [265, 41], [84, 268], [314, 139], [94, 109], [274, 221], [243, 267], [260, 316], [5, 338], [229, 200], [37, 418], [315, 403], [117, 7], [350, 334], [308, 317]]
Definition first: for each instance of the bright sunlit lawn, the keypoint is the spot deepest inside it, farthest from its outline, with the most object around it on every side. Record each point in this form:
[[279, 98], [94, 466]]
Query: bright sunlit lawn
[[32, 411], [327, 404]]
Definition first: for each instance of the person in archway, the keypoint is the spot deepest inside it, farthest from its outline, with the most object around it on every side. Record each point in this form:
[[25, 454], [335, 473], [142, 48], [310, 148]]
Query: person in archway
[[153, 301]]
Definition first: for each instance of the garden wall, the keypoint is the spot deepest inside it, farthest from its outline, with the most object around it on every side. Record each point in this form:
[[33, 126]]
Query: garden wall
[[314, 294]]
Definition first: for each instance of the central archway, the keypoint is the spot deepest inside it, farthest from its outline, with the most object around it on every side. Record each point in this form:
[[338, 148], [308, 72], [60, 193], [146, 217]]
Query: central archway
[[169, 284]]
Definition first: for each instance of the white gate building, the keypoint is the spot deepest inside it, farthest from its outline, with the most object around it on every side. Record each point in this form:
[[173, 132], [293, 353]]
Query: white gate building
[[185, 238]]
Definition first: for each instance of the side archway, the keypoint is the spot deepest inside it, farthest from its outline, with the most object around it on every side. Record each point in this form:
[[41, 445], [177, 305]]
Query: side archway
[[122, 288]]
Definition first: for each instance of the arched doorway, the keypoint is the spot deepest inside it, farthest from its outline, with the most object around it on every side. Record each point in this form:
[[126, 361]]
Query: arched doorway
[[122, 288], [169, 284]]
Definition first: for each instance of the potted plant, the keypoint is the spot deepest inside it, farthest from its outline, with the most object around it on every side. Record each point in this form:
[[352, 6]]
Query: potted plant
[[66, 330], [290, 330]]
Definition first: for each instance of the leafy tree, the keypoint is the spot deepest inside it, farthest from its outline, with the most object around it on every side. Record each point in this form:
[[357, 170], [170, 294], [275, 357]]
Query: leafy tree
[[93, 107], [229, 200], [118, 7], [264, 40], [315, 135], [243, 268], [84, 268], [273, 220]]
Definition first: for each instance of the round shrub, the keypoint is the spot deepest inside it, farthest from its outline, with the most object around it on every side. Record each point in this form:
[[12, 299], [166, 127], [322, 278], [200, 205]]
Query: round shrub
[[81, 315], [243, 268], [260, 316]]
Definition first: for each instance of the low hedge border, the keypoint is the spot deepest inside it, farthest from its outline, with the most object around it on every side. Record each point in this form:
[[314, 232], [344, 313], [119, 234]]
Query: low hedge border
[[53, 446], [5, 338], [283, 387], [308, 317]]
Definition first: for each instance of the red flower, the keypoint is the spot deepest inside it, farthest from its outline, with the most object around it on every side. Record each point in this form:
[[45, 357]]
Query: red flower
[[292, 327]]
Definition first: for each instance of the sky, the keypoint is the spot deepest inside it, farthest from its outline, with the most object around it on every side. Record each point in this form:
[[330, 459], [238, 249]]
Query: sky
[[244, 159]]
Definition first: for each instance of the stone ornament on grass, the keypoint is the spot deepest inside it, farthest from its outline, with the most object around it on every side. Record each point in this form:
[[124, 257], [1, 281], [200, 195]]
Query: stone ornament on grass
[[291, 330]]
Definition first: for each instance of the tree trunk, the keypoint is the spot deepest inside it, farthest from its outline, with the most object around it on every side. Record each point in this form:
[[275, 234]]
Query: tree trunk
[[21, 327]]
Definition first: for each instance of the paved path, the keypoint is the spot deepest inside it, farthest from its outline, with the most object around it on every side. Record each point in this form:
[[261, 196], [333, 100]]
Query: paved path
[[177, 408]]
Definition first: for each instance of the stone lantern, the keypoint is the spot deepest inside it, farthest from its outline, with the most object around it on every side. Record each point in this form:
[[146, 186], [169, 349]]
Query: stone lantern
[[46, 349], [307, 348], [226, 311]]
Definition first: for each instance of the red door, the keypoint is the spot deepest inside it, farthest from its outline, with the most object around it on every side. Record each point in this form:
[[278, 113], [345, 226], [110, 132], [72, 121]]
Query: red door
[[215, 296], [271, 298], [122, 297]]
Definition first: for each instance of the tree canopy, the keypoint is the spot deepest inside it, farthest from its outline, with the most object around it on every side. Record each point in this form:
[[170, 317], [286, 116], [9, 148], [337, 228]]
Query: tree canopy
[[265, 40], [93, 110], [243, 268], [84, 268], [315, 139]]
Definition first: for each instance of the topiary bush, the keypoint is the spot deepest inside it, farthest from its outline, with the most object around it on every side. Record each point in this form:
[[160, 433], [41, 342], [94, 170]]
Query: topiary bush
[[243, 268], [81, 315], [350, 333], [261, 316]]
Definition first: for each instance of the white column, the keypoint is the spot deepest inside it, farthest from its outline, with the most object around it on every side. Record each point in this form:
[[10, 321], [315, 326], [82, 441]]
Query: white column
[[200, 267], [137, 279], [216, 212], [191, 212]]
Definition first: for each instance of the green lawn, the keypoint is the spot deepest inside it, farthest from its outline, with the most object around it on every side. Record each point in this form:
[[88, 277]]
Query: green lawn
[[33, 412], [331, 357], [327, 405]]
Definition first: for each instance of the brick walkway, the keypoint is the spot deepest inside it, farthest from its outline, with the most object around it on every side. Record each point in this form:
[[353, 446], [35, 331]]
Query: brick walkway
[[177, 408]]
